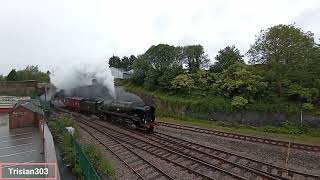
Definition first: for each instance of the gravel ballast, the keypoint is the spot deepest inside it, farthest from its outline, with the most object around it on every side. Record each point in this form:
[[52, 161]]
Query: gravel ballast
[[303, 161]]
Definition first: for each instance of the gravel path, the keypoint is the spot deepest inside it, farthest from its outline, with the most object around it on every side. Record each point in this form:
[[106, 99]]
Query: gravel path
[[299, 160]]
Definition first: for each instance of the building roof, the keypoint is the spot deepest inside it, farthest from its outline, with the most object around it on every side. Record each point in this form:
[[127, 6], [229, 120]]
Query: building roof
[[34, 101], [31, 105], [75, 98]]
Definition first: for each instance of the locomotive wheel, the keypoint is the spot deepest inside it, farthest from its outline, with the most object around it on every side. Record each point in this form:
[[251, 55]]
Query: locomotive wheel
[[149, 130]]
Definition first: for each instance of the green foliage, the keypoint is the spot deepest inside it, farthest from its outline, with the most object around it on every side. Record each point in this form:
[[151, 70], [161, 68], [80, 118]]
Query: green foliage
[[194, 56], [284, 72], [301, 93], [151, 81], [115, 62], [98, 161], [205, 80], [29, 73], [71, 152], [238, 80], [65, 121], [183, 81], [125, 63], [294, 128], [168, 76], [140, 69], [157, 67], [161, 57], [239, 102], [225, 58], [281, 44], [289, 55], [308, 106], [32, 73], [204, 102], [2, 78], [12, 76]]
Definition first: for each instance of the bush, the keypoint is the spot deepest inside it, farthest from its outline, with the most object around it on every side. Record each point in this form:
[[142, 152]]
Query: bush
[[98, 161]]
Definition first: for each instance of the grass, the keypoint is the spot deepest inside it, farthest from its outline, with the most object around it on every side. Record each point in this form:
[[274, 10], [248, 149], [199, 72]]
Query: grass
[[206, 101], [288, 132], [98, 161], [202, 105], [71, 156]]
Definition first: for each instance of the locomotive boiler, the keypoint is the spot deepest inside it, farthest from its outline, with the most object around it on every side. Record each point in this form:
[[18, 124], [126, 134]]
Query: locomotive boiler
[[135, 115]]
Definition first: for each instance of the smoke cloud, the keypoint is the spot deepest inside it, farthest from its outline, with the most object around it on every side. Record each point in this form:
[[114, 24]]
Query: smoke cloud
[[68, 77], [123, 95]]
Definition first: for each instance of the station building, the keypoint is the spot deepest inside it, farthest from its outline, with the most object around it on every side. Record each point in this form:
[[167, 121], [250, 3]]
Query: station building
[[26, 114]]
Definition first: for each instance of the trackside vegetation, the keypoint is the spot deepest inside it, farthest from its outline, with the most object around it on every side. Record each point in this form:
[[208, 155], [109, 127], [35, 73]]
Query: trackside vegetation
[[282, 74], [288, 130], [29, 73], [70, 152]]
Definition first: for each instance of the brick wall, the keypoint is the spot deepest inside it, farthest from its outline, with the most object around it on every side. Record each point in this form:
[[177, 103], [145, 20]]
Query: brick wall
[[18, 88], [22, 117]]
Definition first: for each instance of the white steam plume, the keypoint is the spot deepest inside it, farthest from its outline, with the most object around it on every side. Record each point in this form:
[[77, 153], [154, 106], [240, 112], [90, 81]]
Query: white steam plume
[[71, 76]]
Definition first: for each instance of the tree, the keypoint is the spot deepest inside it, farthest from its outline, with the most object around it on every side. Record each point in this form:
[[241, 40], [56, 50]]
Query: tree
[[12, 76], [162, 66], [238, 80], [140, 70], [125, 63], [2, 78], [240, 104], [166, 78], [225, 58], [161, 57], [115, 62], [284, 49], [281, 44], [48, 74], [132, 59], [32, 73], [195, 57], [183, 82], [302, 94], [203, 79], [151, 80]]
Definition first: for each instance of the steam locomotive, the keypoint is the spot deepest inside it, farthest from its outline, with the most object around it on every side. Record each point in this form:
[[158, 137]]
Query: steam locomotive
[[135, 115]]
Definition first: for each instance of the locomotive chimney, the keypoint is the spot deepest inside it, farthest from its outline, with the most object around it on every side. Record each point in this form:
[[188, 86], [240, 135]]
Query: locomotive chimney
[[94, 82]]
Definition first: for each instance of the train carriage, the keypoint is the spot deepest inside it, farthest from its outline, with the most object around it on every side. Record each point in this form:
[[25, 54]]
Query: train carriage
[[72, 103], [90, 106]]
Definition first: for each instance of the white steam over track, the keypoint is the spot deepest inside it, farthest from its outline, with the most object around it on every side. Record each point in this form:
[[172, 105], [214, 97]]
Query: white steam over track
[[71, 76]]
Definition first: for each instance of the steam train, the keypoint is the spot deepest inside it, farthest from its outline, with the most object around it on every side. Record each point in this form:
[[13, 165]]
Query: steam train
[[135, 115]]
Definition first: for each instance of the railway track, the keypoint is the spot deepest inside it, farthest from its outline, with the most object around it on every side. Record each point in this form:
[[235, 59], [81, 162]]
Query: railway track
[[223, 169], [171, 158], [276, 171], [306, 147], [192, 156], [227, 160], [135, 162]]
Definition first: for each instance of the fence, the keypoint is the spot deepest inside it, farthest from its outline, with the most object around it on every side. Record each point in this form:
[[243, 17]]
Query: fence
[[88, 171]]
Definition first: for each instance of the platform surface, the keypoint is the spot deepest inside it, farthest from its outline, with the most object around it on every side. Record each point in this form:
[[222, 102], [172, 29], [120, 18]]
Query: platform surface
[[19, 145]]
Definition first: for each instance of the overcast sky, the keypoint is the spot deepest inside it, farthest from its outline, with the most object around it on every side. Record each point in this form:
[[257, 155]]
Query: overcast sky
[[54, 32]]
